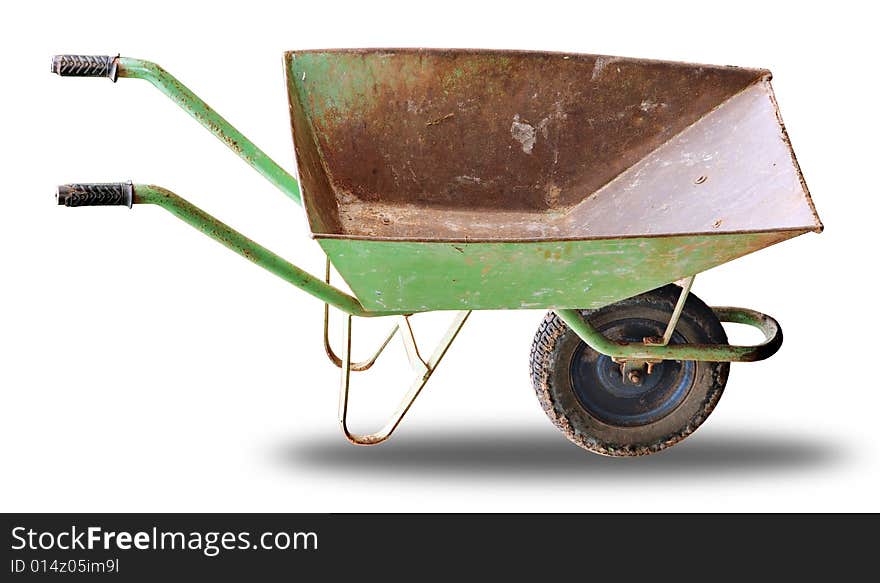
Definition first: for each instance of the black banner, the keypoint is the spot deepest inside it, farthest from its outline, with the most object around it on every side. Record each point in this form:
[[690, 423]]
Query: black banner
[[147, 547]]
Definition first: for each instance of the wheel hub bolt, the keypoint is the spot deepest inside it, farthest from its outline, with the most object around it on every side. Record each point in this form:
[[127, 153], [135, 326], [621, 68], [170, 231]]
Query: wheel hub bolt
[[635, 377]]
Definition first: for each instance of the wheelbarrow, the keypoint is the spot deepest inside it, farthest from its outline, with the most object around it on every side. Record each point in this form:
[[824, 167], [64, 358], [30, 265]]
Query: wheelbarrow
[[482, 180]]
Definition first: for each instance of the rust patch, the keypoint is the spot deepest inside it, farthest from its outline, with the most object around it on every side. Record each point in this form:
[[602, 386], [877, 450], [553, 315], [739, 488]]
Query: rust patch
[[533, 133]]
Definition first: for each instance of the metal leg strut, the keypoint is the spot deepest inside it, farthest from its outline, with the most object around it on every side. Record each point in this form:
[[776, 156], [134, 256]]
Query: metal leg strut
[[422, 369], [331, 354]]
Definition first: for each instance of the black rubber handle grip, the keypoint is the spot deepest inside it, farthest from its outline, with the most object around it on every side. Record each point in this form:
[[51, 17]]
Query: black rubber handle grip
[[109, 194], [85, 66]]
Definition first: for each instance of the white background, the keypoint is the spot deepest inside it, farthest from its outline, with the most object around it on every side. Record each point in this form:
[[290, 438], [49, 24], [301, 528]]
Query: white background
[[144, 368]]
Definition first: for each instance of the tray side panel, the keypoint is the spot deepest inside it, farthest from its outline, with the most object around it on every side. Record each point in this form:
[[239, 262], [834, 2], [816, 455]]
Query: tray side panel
[[424, 276]]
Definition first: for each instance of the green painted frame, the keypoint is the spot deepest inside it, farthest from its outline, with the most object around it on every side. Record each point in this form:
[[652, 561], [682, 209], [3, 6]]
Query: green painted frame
[[434, 257]]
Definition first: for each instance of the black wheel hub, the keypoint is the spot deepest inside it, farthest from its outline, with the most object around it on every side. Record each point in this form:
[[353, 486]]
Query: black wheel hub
[[607, 395]]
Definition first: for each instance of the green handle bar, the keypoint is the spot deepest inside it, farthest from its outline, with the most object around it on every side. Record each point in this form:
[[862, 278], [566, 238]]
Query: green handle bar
[[115, 67], [128, 194]]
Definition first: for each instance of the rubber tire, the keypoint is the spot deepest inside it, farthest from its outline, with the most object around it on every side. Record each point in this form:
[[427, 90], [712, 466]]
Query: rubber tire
[[555, 345]]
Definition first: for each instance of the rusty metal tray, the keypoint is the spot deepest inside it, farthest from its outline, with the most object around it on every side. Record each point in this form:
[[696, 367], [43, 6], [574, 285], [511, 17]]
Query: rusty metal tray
[[535, 171]]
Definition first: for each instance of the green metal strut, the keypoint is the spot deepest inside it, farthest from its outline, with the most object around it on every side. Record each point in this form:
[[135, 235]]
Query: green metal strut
[[114, 67], [127, 194], [624, 351]]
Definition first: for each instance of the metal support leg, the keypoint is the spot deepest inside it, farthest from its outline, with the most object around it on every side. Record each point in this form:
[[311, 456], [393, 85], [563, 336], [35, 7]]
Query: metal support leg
[[331, 354], [422, 369], [634, 370], [676, 313]]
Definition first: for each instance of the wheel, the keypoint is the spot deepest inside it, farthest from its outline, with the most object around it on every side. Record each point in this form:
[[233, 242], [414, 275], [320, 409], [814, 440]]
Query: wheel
[[590, 399]]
